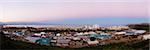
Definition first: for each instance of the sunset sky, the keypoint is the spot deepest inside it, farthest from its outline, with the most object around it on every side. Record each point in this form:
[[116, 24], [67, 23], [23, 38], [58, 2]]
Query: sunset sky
[[74, 11]]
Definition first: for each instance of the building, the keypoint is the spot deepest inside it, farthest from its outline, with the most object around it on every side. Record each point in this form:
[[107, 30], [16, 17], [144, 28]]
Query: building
[[95, 26], [43, 41], [134, 32], [117, 27], [145, 37], [118, 33], [1, 27]]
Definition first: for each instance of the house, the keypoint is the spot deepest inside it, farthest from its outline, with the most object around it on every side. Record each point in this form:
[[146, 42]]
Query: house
[[6, 32], [92, 42], [145, 37]]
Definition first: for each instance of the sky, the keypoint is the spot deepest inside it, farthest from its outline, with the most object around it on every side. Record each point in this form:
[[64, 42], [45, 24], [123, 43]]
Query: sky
[[75, 11]]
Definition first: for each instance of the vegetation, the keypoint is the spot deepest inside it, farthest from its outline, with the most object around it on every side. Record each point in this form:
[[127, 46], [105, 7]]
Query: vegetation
[[142, 26]]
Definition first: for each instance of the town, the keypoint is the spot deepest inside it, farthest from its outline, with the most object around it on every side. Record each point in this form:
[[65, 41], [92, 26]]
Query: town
[[74, 36]]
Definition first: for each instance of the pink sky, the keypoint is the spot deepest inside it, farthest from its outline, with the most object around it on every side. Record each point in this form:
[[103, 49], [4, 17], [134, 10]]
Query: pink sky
[[39, 10]]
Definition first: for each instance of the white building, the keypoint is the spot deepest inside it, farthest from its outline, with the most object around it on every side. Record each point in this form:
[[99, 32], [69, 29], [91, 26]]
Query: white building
[[117, 27], [92, 42], [95, 26], [140, 31], [120, 33], [145, 37], [39, 34]]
